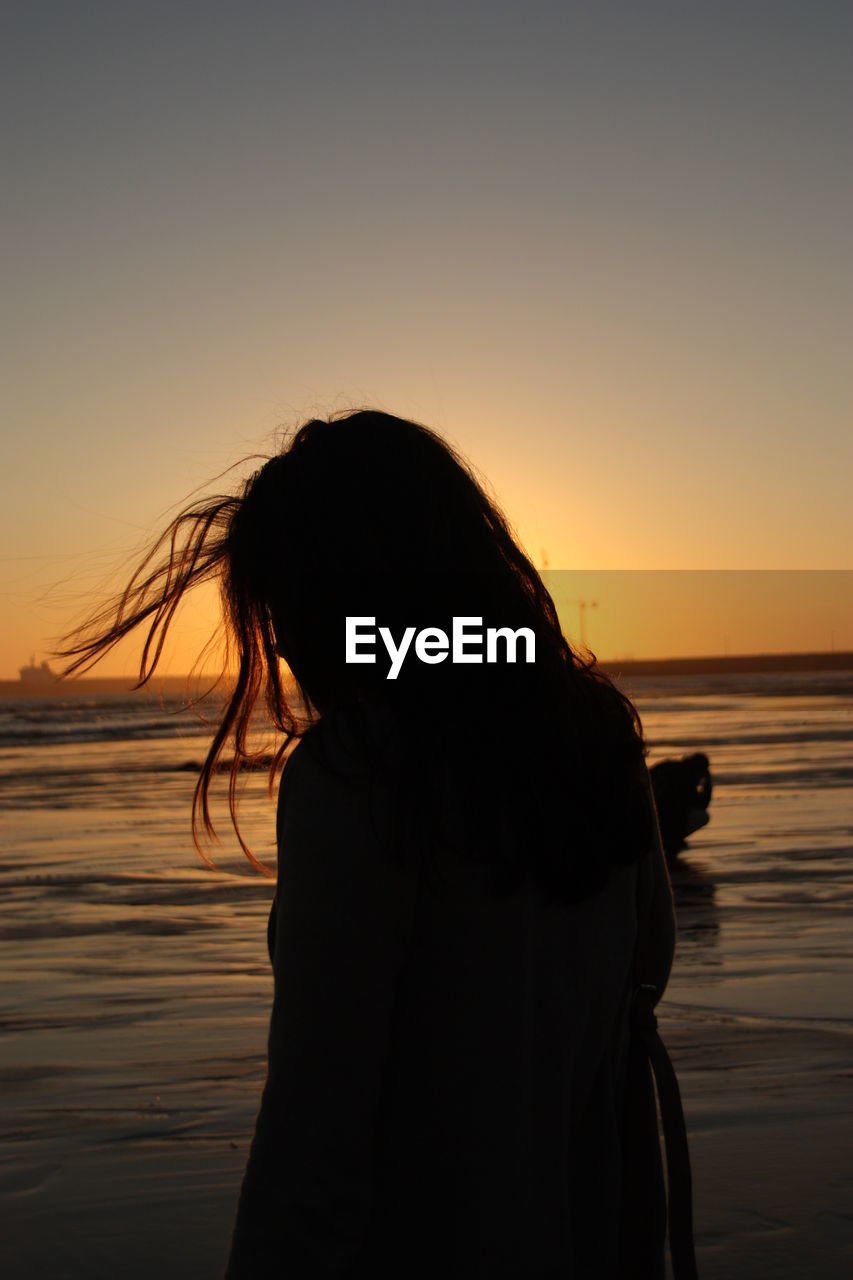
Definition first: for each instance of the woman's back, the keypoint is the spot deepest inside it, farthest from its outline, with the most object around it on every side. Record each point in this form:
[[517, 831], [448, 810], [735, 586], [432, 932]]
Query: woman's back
[[444, 1086], [500, 1128]]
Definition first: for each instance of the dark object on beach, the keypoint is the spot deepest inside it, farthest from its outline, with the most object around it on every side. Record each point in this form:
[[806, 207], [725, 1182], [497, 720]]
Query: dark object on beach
[[682, 794]]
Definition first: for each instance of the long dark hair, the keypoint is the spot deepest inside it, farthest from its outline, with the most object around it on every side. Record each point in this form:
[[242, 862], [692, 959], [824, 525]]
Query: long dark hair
[[375, 516]]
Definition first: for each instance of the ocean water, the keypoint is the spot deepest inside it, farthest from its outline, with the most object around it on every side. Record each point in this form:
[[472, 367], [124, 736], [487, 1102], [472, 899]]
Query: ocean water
[[136, 987]]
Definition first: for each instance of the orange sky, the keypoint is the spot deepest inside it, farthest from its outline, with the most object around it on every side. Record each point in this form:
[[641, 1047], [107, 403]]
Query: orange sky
[[604, 249]]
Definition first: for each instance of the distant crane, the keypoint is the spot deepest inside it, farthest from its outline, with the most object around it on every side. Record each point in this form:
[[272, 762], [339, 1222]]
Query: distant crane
[[583, 605]]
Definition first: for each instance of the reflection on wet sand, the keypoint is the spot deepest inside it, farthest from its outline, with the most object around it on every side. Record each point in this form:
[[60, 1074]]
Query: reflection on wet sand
[[697, 912]]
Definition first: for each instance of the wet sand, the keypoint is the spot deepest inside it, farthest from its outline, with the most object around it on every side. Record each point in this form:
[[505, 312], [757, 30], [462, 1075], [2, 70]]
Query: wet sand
[[136, 992]]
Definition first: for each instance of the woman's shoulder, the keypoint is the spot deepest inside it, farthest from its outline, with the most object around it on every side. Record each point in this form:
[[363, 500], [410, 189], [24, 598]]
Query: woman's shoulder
[[351, 741], [338, 768]]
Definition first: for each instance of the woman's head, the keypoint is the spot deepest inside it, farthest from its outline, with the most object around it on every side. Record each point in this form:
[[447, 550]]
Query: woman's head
[[373, 516], [368, 516]]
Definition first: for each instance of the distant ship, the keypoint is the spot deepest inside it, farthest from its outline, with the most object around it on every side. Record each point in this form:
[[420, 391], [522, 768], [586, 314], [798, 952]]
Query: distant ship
[[32, 674]]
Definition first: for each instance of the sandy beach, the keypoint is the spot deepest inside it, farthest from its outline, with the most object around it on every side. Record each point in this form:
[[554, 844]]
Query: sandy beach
[[136, 987]]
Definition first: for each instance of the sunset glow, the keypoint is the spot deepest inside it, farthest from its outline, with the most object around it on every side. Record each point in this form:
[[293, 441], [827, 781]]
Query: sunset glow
[[607, 257]]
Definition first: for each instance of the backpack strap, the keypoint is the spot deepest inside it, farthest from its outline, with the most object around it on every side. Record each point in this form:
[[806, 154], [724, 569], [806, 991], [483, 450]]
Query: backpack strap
[[679, 1181]]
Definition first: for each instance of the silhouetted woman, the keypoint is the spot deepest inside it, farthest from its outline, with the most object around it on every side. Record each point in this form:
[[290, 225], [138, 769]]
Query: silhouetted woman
[[453, 929]]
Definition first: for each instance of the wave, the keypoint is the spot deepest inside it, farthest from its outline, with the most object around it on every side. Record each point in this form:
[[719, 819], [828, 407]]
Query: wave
[[58, 728], [761, 737], [798, 777]]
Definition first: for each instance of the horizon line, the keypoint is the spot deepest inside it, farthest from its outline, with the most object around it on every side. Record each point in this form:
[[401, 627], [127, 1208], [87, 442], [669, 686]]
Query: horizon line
[[695, 664]]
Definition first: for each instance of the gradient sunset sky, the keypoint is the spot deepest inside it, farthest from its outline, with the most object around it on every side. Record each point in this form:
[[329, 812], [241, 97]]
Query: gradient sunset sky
[[604, 248]]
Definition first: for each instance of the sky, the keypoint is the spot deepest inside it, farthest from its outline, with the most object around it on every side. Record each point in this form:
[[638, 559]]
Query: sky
[[603, 248]]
